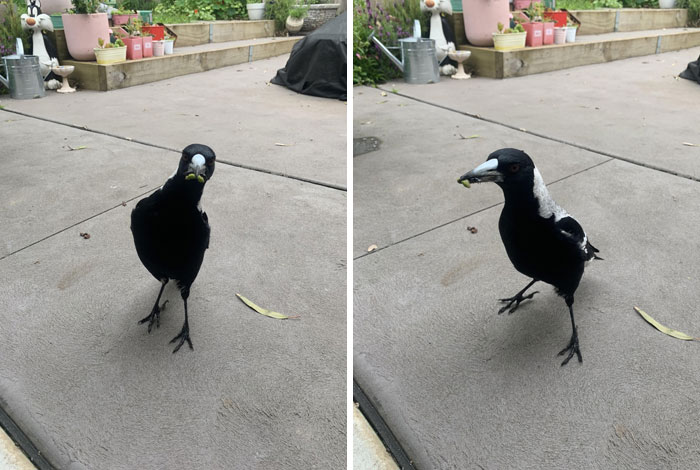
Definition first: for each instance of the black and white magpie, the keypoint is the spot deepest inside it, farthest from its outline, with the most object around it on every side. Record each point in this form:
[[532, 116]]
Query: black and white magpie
[[171, 232], [541, 239]]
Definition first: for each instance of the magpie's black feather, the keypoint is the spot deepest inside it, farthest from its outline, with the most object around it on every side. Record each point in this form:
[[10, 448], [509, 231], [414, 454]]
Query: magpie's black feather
[[541, 239], [171, 233]]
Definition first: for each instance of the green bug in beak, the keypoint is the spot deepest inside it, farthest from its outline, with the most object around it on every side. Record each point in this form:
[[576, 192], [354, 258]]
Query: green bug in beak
[[192, 176]]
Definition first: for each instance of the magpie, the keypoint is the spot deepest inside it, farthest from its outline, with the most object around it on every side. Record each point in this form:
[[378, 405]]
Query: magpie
[[541, 239], [171, 232]]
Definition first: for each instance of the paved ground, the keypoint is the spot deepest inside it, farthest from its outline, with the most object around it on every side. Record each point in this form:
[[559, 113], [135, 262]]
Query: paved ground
[[462, 387], [89, 385]]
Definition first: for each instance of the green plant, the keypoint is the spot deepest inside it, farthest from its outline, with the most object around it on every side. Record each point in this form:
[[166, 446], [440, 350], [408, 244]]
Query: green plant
[[518, 28], [185, 11], [389, 21], [133, 27], [693, 7], [123, 12], [102, 45], [278, 10], [298, 12], [84, 7], [535, 11], [11, 28]]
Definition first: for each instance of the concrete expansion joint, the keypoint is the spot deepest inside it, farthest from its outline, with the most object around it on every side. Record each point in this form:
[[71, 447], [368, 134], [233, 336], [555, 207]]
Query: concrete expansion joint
[[552, 139]]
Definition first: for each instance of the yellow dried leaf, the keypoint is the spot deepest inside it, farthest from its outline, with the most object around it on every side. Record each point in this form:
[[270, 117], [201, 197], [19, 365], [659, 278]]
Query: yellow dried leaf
[[664, 329], [371, 248], [264, 311]]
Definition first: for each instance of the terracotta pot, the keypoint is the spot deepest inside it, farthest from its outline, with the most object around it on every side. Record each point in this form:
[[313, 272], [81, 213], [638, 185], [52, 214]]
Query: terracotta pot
[[82, 33], [147, 46], [481, 18], [534, 33]]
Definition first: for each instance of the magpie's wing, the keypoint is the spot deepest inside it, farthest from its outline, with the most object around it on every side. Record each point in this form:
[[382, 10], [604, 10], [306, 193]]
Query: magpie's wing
[[571, 232], [206, 222]]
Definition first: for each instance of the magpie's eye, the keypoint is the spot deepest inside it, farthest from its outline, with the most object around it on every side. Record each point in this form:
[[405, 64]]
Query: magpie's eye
[[514, 168]]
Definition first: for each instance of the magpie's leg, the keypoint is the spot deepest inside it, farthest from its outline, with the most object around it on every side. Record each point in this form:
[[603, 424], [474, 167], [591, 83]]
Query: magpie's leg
[[154, 316], [185, 332], [517, 298], [573, 344]]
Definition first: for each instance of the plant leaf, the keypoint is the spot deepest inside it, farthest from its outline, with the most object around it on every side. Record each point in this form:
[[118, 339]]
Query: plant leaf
[[264, 311], [664, 329]]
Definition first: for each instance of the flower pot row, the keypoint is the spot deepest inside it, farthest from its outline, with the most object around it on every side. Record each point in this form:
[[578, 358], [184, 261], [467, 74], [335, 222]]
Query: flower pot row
[[535, 34], [139, 47]]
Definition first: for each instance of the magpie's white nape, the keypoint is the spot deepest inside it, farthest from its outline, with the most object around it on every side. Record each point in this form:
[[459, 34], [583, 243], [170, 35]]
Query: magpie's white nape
[[171, 232], [541, 239]]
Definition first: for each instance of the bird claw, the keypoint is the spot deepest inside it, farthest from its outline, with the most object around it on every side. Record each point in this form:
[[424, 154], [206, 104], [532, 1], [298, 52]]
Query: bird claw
[[517, 299], [183, 336], [154, 317], [572, 348]]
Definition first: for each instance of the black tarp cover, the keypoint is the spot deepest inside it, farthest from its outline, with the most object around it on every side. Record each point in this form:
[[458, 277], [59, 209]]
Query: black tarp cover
[[317, 64], [693, 71]]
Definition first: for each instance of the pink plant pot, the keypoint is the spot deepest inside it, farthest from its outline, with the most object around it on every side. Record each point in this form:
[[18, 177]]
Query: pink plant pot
[[82, 33], [134, 47], [147, 46], [548, 34], [122, 19], [523, 4], [534, 34], [481, 18]]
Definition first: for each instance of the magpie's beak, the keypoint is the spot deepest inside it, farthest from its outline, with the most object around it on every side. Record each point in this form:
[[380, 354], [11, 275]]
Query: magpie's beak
[[484, 173], [197, 169]]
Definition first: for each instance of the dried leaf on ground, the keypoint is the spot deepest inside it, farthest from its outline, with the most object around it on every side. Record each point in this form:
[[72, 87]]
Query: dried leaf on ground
[[472, 229], [282, 145], [85, 235], [371, 248], [475, 136], [383, 93], [690, 144], [80, 147], [264, 311], [664, 329]]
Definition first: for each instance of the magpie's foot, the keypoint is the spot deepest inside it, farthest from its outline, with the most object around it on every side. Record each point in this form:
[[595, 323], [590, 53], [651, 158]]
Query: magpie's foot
[[154, 317], [572, 349], [515, 299], [183, 336]]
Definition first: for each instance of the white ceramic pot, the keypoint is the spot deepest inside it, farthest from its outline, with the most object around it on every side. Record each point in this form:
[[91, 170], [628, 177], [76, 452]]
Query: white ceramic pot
[[169, 45], [256, 11], [560, 35], [294, 25], [662, 3], [571, 33], [158, 48]]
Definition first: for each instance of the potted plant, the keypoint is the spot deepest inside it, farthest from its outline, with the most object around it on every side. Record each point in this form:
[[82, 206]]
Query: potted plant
[[169, 44], [158, 47], [509, 38], [559, 35], [295, 19], [83, 27], [479, 18], [256, 10], [134, 42], [667, 3], [571, 28], [147, 40], [120, 17], [535, 27], [548, 32], [110, 53], [559, 17], [157, 31]]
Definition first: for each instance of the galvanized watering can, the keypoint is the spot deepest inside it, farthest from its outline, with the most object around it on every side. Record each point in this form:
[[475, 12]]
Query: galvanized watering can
[[23, 75], [418, 60]]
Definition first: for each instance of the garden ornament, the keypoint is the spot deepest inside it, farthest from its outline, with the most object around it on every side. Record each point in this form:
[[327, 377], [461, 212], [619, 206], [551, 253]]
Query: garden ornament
[[41, 45], [441, 32]]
